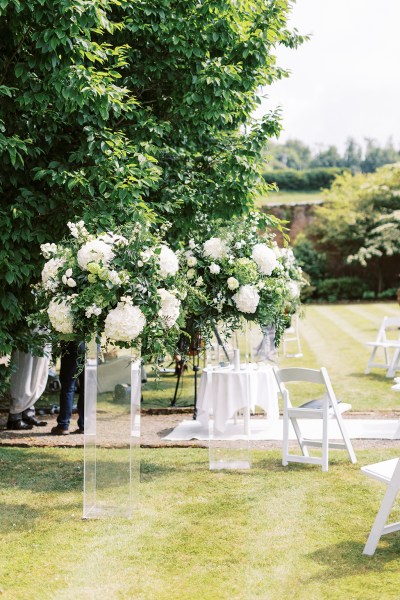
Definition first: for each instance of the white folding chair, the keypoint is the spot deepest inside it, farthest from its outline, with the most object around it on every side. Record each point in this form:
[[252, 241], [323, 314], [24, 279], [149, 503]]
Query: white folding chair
[[387, 471], [390, 347], [291, 337], [324, 408]]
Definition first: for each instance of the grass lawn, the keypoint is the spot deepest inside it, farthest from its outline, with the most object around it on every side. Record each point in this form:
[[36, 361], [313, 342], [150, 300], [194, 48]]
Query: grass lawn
[[272, 533], [288, 197]]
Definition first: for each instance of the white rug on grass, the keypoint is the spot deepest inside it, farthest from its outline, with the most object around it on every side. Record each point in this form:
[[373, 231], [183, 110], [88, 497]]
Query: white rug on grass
[[262, 429]]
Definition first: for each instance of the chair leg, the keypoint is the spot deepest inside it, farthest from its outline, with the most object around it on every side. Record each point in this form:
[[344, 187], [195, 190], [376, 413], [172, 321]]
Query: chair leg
[[371, 360], [285, 441], [346, 439], [297, 431], [325, 444], [380, 520], [391, 372]]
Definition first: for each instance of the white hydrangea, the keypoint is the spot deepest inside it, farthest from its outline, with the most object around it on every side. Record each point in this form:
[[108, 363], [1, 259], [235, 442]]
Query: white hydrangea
[[292, 289], [95, 251], [265, 258], [192, 244], [170, 308], [246, 299], [169, 264], [215, 248], [48, 250], [214, 268], [51, 268], [233, 283], [60, 316], [124, 323]]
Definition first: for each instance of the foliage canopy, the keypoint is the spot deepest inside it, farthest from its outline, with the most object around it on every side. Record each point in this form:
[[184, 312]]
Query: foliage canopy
[[113, 108]]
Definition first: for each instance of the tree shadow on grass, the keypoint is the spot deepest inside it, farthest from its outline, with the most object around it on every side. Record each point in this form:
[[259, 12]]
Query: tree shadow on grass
[[377, 377], [346, 558]]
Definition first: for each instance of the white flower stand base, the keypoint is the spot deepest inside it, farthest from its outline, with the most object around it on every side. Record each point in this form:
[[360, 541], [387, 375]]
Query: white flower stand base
[[112, 433]]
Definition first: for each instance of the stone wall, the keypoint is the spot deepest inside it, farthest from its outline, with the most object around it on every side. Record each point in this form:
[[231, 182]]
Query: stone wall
[[298, 216]]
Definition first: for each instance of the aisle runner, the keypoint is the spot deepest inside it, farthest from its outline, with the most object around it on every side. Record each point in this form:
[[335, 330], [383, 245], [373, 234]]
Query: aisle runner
[[262, 429]]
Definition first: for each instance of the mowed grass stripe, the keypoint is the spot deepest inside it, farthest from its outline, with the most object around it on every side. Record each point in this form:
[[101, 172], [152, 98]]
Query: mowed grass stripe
[[334, 348], [375, 312], [338, 315]]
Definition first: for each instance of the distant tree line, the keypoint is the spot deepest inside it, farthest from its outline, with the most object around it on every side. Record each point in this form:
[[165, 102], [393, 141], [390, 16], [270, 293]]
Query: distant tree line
[[294, 154]]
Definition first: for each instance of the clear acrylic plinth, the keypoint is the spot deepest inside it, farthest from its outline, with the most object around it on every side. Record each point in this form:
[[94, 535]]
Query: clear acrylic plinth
[[112, 433], [233, 453]]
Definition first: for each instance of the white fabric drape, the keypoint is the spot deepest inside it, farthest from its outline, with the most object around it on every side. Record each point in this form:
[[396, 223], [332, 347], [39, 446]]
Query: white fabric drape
[[29, 380]]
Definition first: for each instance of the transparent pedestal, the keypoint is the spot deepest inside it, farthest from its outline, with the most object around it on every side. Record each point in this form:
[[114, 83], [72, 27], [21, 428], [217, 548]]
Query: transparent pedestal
[[112, 433], [229, 420]]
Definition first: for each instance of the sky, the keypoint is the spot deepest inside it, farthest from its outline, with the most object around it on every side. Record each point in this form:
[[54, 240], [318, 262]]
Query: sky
[[345, 81]]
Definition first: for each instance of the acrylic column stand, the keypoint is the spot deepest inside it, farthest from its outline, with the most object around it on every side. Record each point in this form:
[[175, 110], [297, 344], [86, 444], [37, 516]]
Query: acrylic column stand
[[229, 438], [112, 433]]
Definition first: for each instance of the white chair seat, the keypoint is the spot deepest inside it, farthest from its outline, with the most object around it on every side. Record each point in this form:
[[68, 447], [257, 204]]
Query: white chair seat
[[388, 472], [382, 471]]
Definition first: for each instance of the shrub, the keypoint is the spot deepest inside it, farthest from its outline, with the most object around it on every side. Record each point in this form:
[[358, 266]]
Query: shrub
[[389, 293], [341, 288], [309, 179]]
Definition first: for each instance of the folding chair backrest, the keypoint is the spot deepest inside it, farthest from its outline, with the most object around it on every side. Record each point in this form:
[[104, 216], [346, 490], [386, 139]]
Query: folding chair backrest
[[387, 323], [299, 374], [318, 376]]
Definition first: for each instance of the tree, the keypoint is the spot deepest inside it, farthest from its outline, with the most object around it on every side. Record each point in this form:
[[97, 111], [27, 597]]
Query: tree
[[352, 156], [376, 157], [327, 158], [360, 220], [293, 154], [112, 108]]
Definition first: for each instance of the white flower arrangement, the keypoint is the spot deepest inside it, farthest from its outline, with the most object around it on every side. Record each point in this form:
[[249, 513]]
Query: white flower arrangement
[[112, 283], [237, 272]]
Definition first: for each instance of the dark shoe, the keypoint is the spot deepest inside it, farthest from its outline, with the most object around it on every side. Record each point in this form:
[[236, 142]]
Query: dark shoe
[[79, 430], [18, 425], [34, 421], [57, 430]]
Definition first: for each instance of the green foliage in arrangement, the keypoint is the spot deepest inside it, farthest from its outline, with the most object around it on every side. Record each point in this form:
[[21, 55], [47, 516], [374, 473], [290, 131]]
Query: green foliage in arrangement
[[308, 179], [357, 230], [113, 108]]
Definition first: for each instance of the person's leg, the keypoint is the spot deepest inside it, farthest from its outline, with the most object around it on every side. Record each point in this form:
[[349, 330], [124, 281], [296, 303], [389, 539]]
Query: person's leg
[[68, 372], [81, 397]]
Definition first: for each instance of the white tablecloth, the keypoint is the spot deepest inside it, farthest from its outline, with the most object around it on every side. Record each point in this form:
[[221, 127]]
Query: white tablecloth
[[223, 392]]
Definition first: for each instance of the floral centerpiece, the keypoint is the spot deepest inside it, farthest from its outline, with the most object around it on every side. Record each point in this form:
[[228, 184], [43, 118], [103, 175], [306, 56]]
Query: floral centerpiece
[[122, 285], [237, 273]]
